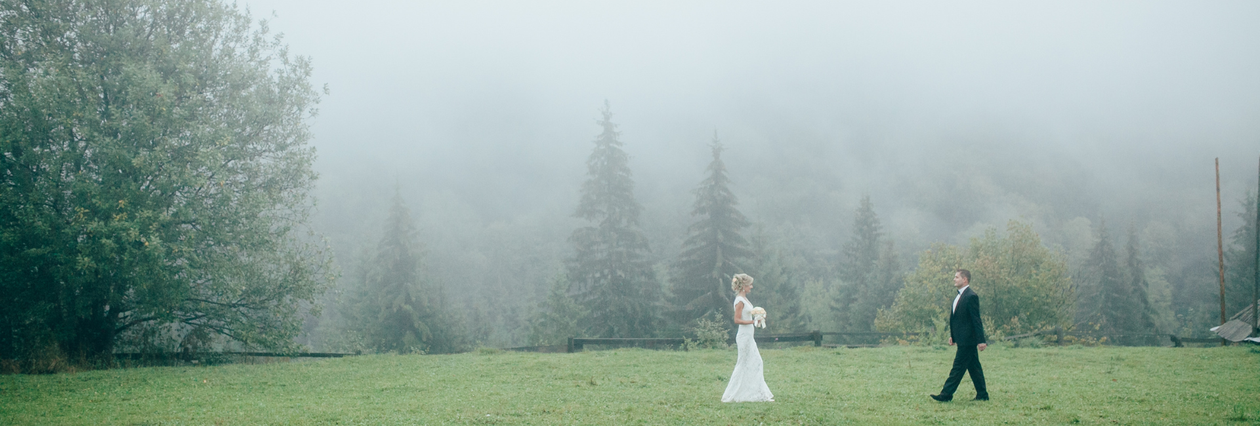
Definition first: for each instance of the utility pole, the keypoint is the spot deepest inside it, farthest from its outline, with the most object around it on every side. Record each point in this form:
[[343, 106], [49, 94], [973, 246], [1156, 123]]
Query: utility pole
[[1255, 267], [1220, 245]]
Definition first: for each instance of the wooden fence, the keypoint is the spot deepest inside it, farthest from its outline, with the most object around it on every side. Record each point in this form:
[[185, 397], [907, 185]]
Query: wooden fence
[[577, 344], [1123, 339], [164, 356]]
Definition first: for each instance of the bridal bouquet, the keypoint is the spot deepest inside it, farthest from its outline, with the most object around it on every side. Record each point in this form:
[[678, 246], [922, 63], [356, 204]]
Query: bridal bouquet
[[759, 316]]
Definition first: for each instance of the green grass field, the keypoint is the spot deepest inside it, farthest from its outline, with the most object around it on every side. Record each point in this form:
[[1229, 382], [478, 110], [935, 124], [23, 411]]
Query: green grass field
[[1095, 385]]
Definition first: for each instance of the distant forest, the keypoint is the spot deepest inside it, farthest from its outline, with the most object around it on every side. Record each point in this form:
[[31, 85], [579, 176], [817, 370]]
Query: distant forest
[[526, 270]]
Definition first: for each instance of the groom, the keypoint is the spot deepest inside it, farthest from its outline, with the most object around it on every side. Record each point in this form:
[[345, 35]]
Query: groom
[[967, 331]]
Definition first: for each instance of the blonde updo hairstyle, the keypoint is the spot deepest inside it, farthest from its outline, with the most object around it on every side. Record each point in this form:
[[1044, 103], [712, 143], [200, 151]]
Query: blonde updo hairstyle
[[740, 281]]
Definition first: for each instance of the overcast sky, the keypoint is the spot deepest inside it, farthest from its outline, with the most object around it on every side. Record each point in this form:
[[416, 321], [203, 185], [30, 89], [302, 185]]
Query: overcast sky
[[1143, 93]]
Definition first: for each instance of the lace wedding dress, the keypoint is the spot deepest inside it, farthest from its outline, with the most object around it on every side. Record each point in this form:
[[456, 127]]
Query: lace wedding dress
[[747, 384]]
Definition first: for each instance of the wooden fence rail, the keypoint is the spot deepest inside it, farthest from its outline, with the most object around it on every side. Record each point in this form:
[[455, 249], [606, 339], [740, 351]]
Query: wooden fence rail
[[1177, 342], [813, 336], [577, 344], [187, 355]]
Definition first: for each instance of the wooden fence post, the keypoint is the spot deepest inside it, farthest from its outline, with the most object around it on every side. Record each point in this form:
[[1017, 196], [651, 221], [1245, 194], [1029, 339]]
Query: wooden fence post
[[1220, 250], [570, 345], [817, 335]]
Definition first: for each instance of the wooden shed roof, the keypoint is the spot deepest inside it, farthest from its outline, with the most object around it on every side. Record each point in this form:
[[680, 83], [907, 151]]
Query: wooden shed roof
[[1239, 326]]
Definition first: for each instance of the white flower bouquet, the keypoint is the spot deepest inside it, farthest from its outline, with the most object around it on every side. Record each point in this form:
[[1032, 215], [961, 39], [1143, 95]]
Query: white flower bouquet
[[759, 316]]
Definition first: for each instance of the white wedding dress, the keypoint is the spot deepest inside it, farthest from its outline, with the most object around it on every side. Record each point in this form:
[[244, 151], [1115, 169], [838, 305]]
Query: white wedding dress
[[747, 384]]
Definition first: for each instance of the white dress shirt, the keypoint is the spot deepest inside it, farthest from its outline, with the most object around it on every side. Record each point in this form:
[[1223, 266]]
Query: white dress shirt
[[959, 296]]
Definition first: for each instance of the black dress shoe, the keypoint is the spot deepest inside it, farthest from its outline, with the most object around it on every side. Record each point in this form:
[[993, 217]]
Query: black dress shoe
[[981, 398], [942, 398]]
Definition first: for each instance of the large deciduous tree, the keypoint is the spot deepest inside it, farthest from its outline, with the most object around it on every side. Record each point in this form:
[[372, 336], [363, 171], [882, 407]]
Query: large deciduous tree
[[714, 251], [922, 305], [154, 172], [1022, 285], [610, 271]]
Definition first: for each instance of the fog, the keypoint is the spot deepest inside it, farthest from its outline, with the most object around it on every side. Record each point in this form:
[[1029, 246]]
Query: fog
[[952, 117]]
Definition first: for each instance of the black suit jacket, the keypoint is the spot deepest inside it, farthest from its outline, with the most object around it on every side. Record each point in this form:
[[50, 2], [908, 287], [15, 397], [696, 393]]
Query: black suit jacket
[[964, 322]]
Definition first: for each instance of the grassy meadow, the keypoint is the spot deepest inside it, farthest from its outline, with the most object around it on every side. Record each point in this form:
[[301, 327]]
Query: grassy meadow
[[1055, 385]]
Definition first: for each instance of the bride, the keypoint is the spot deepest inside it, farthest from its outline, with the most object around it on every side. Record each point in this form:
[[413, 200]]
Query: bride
[[747, 382]]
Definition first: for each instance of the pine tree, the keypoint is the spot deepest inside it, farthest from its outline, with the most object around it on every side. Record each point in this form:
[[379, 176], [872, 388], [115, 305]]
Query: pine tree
[[1142, 317], [610, 271], [1240, 260], [394, 309], [714, 250], [869, 272], [388, 306], [889, 278], [558, 318], [1111, 291], [778, 282], [449, 329]]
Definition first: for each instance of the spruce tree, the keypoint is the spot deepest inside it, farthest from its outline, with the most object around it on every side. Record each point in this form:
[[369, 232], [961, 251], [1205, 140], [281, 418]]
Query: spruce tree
[[714, 250], [394, 309], [889, 278], [1110, 291], [1240, 260], [558, 318], [610, 271], [1142, 320], [868, 270], [778, 282]]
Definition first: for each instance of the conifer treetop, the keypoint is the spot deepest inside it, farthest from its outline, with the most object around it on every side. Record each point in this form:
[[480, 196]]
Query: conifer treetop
[[608, 193]]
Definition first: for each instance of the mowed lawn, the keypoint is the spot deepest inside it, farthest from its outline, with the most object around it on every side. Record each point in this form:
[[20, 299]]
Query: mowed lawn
[[1090, 385]]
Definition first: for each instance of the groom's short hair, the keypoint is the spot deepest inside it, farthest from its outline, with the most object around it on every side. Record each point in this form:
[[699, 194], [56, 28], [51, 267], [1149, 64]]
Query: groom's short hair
[[965, 274]]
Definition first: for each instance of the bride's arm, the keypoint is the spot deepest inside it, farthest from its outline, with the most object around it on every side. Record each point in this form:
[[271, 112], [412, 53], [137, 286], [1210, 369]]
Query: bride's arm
[[739, 312]]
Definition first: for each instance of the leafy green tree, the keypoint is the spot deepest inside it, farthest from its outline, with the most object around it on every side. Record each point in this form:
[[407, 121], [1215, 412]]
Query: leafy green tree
[[714, 250], [154, 172], [923, 303], [1022, 285], [869, 272], [610, 270]]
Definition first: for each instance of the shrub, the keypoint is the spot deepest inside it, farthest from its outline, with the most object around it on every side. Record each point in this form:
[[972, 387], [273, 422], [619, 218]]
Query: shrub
[[710, 332]]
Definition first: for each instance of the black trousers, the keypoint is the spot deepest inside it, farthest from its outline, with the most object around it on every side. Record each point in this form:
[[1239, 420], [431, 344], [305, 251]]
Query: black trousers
[[966, 360]]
